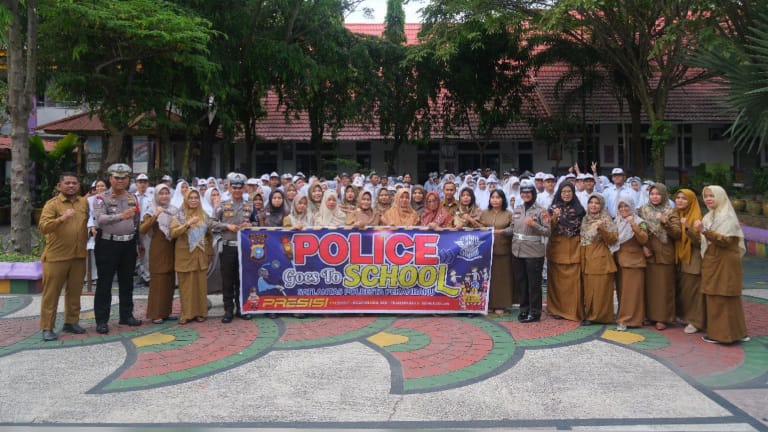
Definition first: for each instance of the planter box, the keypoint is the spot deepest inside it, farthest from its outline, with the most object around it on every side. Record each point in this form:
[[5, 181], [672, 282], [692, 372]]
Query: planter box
[[21, 277], [756, 240]]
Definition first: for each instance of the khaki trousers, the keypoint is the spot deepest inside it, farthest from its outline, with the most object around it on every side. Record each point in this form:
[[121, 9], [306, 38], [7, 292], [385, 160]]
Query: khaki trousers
[[55, 276]]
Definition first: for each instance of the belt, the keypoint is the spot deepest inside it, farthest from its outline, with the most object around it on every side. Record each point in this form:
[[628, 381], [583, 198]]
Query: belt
[[120, 238], [527, 237], [232, 243]]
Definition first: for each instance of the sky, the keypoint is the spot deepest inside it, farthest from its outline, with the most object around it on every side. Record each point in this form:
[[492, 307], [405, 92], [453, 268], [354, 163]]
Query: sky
[[380, 10]]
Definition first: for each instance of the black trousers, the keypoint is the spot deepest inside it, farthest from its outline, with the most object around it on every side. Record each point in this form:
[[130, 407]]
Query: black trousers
[[114, 257], [230, 279], [527, 273]]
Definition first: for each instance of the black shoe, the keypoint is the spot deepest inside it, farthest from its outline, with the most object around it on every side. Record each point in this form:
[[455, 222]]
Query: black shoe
[[586, 323], [227, 318], [522, 317], [246, 317], [102, 328], [531, 318], [171, 318], [73, 328], [130, 321], [238, 314], [49, 335]]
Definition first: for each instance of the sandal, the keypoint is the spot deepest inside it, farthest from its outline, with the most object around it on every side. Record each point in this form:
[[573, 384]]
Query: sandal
[[200, 319], [660, 326], [158, 321], [183, 321]]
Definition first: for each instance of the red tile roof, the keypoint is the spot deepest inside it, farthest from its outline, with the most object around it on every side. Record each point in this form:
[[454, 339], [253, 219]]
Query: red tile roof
[[694, 103], [83, 122]]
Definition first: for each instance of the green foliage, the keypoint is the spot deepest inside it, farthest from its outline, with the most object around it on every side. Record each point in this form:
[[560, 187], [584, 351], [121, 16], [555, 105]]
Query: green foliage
[[49, 165], [713, 174], [744, 65], [759, 183], [124, 58]]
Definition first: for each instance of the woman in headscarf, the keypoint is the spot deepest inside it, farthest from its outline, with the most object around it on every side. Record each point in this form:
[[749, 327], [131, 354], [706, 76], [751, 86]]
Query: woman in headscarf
[[482, 193], [512, 191], [211, 200], [598, 233], [349, 199], [258, 208], [299, 217], [565, 294], [177, 199], [290, 192], [528, 229], [364, 215], [628, 250], [401, 213], [435, 216], [330, 215], [417, 198], [157, 226], [192, 252], [315, 196], [689, 300], [274, 210], [663, 229], [722, 246], [383, 202], [468, 212], [99, 186]]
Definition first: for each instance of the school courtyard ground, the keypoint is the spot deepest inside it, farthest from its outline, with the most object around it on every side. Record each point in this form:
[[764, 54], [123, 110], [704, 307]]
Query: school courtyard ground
[[381, 372]]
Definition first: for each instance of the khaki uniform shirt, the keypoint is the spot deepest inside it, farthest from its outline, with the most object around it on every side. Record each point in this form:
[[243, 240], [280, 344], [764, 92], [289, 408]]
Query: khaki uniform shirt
[[64, 240], [231, 212], [108, 210], [528, 248]]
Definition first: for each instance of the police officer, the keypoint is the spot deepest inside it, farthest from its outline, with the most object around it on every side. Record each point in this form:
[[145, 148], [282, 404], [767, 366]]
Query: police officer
[[63, 222], [117, 214], [231, 216]]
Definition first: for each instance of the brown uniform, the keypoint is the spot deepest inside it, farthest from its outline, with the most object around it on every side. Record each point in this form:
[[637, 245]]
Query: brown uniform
[[721, 282], [63, 258], [660, 273], [598, 268], [191, 267], [630, 279], [501, 294], [689, 300], [162, 281], [565, 292]]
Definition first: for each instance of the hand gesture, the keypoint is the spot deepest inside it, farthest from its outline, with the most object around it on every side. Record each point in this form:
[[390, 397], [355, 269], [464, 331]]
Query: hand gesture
[[594, 167], [245, 224], [600, 224], [663, 219], [630, 219], [233, 228], [682, 221], [193, 220], [158, 211], [698, 225], [545, 217], [68, 213], [127, 213], [530, 222], [556, 212]]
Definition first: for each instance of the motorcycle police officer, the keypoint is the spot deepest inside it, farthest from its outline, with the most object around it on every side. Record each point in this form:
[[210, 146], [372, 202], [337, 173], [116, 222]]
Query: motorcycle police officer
[[116, 212], [231, 216]]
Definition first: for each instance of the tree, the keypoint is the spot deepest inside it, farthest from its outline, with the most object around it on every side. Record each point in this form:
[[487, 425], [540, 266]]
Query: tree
[[123, 59], [477, 64], [22, 63], [741, 59], [647, 43], [400, 101]]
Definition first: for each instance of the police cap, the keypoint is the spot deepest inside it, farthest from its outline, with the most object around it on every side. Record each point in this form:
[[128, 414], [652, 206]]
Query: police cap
[[119, 170], [236, 179]]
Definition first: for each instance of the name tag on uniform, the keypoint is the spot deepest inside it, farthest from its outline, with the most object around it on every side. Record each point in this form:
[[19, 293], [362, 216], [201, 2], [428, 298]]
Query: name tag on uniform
[[229, 214]]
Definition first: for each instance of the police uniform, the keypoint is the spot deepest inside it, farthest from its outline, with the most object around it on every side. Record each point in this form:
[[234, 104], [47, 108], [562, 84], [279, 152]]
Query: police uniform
[[63, 261], [115, 251], [231, 212], [528, 250]]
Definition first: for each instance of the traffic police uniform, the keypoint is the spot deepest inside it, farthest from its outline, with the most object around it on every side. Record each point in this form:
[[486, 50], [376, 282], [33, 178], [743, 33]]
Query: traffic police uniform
[[231, 212], [115, 251]]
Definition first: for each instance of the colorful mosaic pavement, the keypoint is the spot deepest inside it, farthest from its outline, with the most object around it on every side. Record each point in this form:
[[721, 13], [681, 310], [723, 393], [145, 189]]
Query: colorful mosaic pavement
[[425, 353]]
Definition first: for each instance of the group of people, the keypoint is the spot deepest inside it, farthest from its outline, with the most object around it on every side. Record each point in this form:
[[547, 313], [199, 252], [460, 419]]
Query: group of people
[[585, 235]]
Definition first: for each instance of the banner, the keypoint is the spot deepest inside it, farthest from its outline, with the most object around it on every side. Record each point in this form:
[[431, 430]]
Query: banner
[[372, 270]]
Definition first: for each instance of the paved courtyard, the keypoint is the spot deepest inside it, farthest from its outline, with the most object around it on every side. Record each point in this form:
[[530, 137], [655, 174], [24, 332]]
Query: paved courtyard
[[382, 372]]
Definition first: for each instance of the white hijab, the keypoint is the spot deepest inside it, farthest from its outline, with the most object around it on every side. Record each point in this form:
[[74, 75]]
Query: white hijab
[[178, 196]]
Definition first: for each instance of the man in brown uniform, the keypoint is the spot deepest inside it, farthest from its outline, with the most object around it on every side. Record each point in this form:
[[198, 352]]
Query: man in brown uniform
[[63, 222]]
